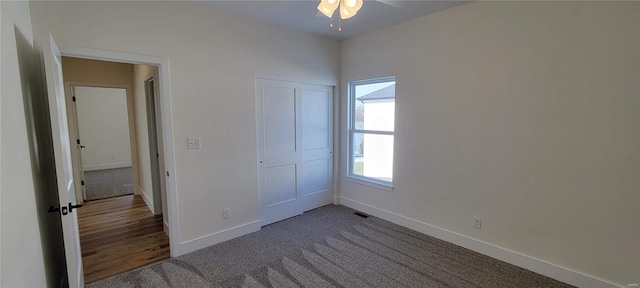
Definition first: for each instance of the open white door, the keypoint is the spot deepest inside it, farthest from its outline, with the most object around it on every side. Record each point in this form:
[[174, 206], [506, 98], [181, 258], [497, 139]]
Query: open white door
[[64, 170]]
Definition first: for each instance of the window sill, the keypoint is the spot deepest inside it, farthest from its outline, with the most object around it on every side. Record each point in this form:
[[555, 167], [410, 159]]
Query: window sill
[[376, 185]]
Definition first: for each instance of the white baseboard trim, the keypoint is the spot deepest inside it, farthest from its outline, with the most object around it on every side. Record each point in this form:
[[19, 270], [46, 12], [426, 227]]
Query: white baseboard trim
[[146, 199], [106, 166], [527, 262], [217, 237]]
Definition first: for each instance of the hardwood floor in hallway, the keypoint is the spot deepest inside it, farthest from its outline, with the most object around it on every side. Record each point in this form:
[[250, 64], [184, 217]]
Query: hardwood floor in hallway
[[119, 234]]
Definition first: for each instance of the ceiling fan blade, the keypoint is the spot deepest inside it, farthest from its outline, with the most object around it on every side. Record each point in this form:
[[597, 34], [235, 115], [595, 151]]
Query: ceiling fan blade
[[392, 3]]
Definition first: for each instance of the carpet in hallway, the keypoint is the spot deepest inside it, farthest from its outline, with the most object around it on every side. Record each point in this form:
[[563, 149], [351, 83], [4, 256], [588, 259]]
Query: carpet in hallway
[[101, 184]]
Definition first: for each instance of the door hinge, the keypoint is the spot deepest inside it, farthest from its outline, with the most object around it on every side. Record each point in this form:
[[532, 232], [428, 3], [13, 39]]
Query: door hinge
[[78, 141], [82, 182], [74, 98], [158, 155]]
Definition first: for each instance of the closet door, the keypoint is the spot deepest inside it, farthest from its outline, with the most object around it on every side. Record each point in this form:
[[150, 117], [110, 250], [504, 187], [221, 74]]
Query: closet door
[[279, 149], [294, 138], [317, 143]]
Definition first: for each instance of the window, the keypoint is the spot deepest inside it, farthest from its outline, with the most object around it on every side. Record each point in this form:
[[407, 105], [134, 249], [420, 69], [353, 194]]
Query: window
[[371, 129]]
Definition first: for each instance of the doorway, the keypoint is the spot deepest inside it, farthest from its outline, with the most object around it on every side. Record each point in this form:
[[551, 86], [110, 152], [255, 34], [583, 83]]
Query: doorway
[[122, 224], [102, 127]]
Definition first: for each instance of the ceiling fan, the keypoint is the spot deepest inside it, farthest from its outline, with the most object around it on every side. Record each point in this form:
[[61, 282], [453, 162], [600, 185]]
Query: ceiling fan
[[348, 8]]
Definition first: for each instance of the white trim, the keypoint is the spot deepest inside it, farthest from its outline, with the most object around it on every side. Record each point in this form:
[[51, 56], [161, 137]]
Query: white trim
[[217, 237], [166, 227], [146, 199], [295, 80], [106, 166], [74, 133], [377, 132], [104, 55], [554, 271], [368, 182], [337, 135], [351, 131], [167, 123]]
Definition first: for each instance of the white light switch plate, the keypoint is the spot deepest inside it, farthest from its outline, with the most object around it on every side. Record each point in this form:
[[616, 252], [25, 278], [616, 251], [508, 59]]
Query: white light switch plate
[[193, 143]]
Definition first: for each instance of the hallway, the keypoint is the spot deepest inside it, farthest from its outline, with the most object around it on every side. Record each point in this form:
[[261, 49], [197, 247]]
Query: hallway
[[119, 234]]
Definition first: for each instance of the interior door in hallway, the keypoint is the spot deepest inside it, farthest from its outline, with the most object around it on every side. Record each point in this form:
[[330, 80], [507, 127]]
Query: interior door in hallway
[[294, 133]]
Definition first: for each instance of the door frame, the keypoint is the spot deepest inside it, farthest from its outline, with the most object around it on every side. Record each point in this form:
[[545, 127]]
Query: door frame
[[166, 126], [154, 134], [74, 131]]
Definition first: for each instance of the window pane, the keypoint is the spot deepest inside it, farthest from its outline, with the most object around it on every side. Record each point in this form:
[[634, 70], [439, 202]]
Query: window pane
[[373, 156], [375, 106]]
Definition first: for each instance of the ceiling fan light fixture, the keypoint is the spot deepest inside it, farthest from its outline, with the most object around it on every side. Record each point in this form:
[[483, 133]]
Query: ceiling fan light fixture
[[349, 8], [327, 7]]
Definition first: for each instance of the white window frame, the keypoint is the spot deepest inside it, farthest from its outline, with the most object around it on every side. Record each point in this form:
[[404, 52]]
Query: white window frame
[[355, 178]]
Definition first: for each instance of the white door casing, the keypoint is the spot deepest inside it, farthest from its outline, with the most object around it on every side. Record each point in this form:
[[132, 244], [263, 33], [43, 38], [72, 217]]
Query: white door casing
[[62, 154], [154, 153], [294, 139], [163, 92]]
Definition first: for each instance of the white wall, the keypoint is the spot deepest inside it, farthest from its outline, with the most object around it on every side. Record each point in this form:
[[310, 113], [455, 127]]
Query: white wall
[[104, 127], [522, 113], [140, 74], [21, 252], [214, 57]]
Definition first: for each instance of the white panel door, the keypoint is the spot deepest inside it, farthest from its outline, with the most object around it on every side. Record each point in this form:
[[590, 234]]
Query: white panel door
[[62, 153], [279, 153], [294, 138], [317, 131]]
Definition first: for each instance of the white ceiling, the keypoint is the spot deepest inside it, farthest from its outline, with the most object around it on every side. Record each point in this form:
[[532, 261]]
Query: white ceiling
[[302, 14]]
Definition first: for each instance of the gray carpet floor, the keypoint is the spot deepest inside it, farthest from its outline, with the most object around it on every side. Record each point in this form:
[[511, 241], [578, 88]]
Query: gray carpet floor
[[331, 247], [100, 184]]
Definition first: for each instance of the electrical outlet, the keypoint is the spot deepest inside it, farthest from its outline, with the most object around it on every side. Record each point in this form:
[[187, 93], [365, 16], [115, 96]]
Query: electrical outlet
[[193, 143], [477, 222], [226, 213]]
